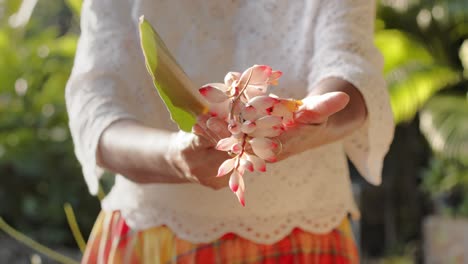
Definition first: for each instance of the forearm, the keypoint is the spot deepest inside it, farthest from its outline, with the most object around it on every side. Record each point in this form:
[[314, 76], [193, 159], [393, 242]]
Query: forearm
[[351, 117], [137, 152]]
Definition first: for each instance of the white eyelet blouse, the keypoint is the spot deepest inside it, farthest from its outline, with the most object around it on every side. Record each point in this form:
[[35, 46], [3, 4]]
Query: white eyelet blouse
[[308, 40]]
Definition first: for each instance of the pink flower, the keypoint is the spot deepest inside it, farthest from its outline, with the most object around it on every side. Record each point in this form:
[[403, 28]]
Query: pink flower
[[263, 148], [258, 83], [254, 120], [226, 144], [214, 92]]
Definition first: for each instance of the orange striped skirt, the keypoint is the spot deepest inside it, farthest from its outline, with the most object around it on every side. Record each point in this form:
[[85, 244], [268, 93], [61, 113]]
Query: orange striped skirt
[[112, 241]]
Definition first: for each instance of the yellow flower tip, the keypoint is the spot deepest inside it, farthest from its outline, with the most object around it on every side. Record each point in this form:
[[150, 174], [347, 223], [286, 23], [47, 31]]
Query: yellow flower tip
[[292, 104], [205, 110]]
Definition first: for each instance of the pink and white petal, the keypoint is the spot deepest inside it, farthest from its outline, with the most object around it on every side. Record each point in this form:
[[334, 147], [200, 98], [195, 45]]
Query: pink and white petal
[[248, 127], [220, 86], [234, 181], [234, 127], [260, 74], [241, 191], [258, 163], [236, 148], [263, 148], [249, 113], [240, 196], [231, 77], [265, 154], [255, 90], [260, 103], [226, 144], [269, 132], [268, 121], [263, 143], [220, 110], [246, 164], [226, 167], [274, 77], [280, 110], [213, 94]]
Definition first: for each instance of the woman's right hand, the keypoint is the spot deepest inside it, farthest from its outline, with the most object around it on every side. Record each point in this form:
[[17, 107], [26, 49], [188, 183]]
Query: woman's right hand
[[193, 156], [147, 155]]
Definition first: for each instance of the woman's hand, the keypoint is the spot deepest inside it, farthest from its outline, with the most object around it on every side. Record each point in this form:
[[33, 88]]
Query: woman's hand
[[148, 155], [310, 128], [333, 110], [193, 154]]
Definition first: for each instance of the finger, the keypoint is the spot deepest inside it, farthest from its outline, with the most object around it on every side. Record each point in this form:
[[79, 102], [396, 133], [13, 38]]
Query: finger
[[200, 139], [218, 127], [199, 131], [316, 109], [201, 120], [201, 124], [205, 139]]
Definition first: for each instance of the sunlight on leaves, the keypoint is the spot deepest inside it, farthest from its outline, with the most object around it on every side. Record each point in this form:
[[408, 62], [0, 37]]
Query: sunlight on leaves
[[444, 122], [411, 73]]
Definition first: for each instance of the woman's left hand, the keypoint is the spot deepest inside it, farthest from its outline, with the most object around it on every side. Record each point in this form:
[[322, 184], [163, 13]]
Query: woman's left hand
[[311, 129]]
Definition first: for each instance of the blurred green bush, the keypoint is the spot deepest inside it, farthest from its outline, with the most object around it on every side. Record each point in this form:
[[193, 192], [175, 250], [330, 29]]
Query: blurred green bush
[[425, 44], [38, 168]]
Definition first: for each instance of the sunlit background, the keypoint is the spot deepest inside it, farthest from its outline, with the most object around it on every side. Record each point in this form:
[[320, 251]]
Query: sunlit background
[[420, 213]]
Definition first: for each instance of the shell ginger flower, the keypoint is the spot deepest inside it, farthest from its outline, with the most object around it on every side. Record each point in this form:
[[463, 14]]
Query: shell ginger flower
[[255, 120]]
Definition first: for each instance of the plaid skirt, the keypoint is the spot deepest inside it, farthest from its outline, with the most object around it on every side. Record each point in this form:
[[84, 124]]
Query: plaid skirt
[[112, 241]]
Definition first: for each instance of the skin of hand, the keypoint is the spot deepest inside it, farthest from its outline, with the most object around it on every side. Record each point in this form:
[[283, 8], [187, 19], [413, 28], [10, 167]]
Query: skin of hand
[[148, 155], [203, 160], [333, 110]]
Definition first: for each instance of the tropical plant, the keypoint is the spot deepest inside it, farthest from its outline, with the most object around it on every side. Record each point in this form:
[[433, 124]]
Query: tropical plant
[[426, 51], [38, 169]]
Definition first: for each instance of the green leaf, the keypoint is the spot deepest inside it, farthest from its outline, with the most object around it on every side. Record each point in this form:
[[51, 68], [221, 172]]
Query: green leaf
[[444, 123], [399, 48], [75, 6], [173, 85], [412, 85], [413, 76]]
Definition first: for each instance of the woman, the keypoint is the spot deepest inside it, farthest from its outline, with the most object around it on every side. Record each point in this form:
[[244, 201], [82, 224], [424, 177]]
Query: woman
[[166, 205]]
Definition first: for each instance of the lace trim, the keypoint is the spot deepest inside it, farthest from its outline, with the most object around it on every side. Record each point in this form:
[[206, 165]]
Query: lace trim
[[206, 230]]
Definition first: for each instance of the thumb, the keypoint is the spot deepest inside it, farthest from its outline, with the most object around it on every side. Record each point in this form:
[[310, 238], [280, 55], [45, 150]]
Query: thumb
[[317, 109]]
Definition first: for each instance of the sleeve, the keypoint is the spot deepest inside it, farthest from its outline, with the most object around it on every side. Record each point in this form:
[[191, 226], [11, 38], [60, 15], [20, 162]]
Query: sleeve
[[344, 48], [107, 66]]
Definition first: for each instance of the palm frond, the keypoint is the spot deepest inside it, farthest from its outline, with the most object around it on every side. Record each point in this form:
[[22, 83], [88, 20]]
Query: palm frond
[[444, 123], [411, 72], [411, 86]]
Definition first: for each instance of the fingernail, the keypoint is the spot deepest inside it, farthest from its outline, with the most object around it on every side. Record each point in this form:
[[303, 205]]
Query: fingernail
[[215, 127]]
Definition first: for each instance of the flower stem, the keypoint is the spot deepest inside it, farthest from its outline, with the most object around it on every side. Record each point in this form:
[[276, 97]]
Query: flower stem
[[234, 101], [244, 141]]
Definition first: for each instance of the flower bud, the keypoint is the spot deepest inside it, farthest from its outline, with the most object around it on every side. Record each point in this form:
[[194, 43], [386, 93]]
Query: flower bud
[[214, 93]]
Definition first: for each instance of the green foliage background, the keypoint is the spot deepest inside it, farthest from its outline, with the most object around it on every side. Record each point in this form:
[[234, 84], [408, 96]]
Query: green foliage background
[[425, 44], [38, 169]]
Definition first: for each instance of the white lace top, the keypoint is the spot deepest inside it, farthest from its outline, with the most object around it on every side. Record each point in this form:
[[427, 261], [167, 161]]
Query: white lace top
[[308, 40]]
